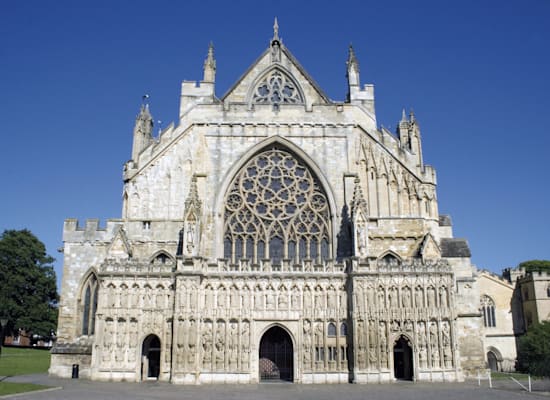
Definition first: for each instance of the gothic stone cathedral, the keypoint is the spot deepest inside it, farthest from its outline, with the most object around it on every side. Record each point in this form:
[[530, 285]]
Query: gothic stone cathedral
[[271, 234]]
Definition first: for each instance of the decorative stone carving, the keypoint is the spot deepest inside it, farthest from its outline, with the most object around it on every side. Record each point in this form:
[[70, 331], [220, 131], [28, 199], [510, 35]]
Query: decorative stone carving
[[289, 203], [277, 87]]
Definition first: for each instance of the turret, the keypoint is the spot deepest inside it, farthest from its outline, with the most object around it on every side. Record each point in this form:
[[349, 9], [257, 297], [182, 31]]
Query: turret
[[408, 132], [143, 131], [357, 95], [193, 93]]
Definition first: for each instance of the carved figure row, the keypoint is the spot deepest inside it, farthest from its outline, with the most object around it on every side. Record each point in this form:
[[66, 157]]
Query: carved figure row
[[407, 296], [324, 349], [145, 297], [431, 340], [225, 345]]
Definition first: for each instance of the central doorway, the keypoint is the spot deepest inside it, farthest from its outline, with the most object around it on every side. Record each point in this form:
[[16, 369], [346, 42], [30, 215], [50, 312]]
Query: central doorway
[[150, 358], [276, 356], [402, 360]]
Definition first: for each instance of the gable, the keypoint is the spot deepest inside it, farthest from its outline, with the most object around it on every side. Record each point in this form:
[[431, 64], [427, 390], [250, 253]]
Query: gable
[[276, 77], [119, 247], [429, 249]]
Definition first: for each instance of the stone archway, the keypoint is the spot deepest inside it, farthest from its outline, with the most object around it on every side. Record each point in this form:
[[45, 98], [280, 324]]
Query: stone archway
[[276, 358], [492, 360], [150, 358], [402, 359]]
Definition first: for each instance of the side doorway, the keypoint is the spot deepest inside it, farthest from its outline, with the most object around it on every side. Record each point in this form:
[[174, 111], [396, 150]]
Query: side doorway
[[402, 360], [150, 358]]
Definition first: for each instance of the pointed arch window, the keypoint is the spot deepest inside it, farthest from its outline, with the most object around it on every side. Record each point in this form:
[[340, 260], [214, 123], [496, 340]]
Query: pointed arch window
[[89, 305], [488, 311], [277, 87], [331, 329], [278, 208], [343, 329]]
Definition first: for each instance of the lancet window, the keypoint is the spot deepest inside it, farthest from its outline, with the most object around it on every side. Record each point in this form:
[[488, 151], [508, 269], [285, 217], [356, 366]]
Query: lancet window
[[276, 209], [89, 305], [488, 311], [277, 88]]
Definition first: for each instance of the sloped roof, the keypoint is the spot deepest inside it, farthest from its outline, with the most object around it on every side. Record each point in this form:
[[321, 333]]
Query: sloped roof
[[256, 69], [452, 247]]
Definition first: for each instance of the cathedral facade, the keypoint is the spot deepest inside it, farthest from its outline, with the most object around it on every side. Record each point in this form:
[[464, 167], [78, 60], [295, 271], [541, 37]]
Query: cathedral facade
[[271, 233]]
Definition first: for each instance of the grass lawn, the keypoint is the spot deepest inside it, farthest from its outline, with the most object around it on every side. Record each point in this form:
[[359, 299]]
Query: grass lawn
[[516, 375], [14, 361], [14, 387]]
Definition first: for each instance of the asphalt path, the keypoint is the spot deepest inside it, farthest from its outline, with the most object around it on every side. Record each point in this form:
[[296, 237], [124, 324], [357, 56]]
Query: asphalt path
[[81, 389]]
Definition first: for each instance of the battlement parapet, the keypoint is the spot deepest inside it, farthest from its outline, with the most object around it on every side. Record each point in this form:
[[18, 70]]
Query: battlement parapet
[[411, 265], [197, 89], [135, 267], [286, 266], [73, 231], [496, 277]]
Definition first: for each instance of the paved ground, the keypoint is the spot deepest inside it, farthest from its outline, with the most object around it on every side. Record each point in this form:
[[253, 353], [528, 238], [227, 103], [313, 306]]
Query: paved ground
[[81, 389]]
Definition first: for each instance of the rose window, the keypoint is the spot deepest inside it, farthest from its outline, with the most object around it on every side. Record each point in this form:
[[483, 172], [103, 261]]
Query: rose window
[[276, 209]]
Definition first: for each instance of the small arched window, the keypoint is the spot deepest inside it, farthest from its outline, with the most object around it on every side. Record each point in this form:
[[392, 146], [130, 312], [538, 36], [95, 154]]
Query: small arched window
[[89, 305], [343, 329], [488, 311], [331, 330]]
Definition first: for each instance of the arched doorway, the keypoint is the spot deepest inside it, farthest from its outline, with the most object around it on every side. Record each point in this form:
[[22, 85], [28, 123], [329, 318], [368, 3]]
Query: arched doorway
[[150, 358], [276, 356], [492, 361], [402, 360]]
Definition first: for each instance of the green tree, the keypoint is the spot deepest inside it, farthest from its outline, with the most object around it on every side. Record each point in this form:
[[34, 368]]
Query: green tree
[[28, 295], [534, 350], [535, 265]]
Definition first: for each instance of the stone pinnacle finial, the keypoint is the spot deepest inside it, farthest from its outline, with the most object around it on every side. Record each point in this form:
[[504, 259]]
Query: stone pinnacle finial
[[404, 115], [352, 60], [144, 113], [210, 65], [275, 30], [411, 116], [358, 201]]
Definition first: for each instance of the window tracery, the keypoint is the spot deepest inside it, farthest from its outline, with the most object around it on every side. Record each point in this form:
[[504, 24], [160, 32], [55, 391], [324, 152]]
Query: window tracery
[[488, 311], [276, 209], [89, 305], [277, 88]]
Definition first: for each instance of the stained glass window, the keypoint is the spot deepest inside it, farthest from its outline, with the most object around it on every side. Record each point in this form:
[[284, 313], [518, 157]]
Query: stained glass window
[[277, 207]]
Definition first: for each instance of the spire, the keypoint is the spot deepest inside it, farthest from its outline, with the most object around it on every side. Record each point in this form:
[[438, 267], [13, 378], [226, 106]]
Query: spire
[[275, 43], [411, 116], [275, 30], [352, 60], [143, 129], [210, 65], [144, 120], [403, 116], [353, 69]]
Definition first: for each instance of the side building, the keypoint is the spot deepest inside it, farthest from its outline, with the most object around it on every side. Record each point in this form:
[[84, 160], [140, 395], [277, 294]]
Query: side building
[[271, 233]]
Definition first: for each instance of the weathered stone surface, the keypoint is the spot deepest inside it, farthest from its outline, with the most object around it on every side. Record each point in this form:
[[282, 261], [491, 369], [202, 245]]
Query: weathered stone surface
[[272, 208]]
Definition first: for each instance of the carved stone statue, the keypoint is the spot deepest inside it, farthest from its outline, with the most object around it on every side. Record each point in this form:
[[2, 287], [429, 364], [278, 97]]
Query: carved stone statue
[[406, 299], [419, 297], [443, 297]]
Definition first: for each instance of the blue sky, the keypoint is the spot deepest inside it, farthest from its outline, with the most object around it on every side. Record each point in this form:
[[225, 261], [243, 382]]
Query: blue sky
[[475, 72]]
